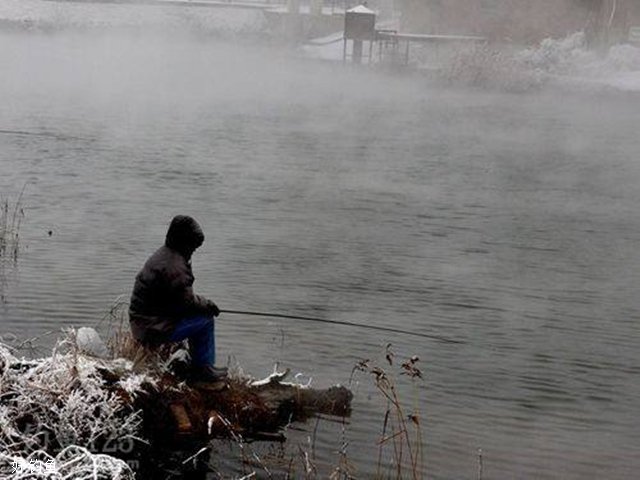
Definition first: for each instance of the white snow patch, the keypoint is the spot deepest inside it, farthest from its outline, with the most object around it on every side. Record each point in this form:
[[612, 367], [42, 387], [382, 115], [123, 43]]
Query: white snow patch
[[133, 384], [569, 58], [361, 9], [90, 343]]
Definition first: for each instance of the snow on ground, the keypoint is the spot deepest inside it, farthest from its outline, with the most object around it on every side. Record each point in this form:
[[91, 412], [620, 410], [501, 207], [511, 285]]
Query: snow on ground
[[628, 82], [47, 15], [571, 63]]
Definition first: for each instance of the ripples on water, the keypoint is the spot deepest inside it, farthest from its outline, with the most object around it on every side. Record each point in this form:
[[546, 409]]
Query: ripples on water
[[507, 222]]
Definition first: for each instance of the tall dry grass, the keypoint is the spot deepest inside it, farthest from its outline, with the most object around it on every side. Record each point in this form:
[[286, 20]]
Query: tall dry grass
[[400, 446], [11, 215]]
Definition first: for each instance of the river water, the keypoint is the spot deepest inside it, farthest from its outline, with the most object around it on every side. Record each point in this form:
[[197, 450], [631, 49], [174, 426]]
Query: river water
[[507, 222]]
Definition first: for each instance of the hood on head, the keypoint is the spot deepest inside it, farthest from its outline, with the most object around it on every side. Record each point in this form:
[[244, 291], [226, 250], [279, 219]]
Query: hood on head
[[184, 235]]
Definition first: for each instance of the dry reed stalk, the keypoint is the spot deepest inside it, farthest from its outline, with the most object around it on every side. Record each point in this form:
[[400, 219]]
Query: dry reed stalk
[[397, 425], [11, 216]]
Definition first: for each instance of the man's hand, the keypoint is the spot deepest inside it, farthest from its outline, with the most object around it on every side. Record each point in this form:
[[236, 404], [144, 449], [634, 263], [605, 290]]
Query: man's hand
[[213, 309]]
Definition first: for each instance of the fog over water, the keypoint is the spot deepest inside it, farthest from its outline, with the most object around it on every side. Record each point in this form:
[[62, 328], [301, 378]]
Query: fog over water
[[508, 222]]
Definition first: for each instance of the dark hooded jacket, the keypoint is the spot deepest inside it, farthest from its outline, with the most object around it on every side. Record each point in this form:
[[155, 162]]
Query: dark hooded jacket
[[163, 290]]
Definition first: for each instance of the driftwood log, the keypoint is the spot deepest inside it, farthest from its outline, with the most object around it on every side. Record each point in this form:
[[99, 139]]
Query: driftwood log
[[253, 410], [174, 411]]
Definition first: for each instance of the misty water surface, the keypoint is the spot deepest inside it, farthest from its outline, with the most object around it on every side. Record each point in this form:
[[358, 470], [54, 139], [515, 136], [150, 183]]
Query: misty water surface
[[508, 222]]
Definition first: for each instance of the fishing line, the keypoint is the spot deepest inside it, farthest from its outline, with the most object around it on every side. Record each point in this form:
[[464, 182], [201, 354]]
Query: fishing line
[[339, 322], [38, 134]]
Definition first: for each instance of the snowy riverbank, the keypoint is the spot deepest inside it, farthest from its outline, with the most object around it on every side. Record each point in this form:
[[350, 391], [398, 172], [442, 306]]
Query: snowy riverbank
[[564, 63], [569, 62], [86, 412]]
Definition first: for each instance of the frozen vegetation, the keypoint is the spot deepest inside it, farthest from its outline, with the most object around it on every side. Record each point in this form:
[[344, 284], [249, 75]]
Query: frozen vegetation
[[571, 60], [566, 63], [56, 411]]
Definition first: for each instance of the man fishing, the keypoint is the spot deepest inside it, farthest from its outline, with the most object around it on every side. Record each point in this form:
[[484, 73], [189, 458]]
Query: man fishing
[[164, 308]]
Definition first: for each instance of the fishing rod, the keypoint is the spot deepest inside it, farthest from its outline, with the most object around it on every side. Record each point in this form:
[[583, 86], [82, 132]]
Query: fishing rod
[[38, 134], [339, 322]]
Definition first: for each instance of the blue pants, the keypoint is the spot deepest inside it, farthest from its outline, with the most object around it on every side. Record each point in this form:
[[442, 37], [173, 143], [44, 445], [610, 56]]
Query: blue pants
[[200, 331]]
